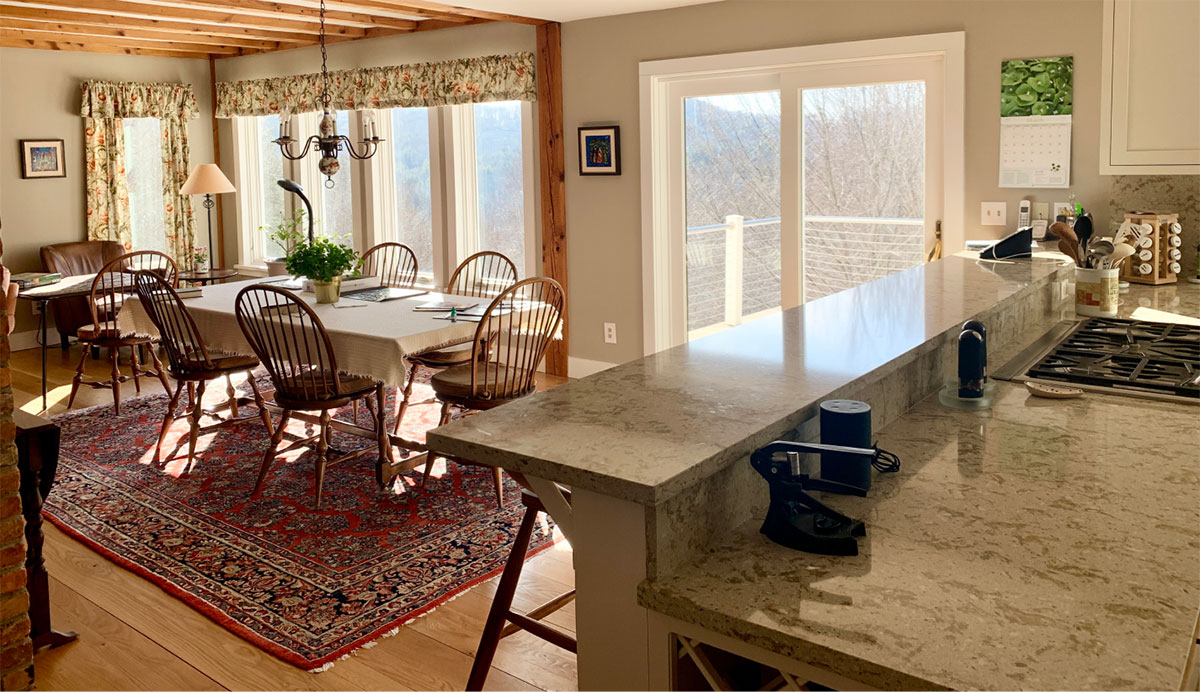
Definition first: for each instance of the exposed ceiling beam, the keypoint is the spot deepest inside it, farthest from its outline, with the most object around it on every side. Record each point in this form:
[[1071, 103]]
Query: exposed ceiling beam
[[185, 29], [85, 30], [192, 14], [401, 8], [414, 5], [282, 9], [89, 47], [176, 46]]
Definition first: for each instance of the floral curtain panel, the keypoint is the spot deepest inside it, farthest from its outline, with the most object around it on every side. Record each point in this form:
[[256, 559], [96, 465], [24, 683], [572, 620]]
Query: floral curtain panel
[[104, 104], [106, 193], [469, 80]]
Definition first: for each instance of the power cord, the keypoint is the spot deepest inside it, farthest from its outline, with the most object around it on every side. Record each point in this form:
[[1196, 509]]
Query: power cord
[[885, 461]]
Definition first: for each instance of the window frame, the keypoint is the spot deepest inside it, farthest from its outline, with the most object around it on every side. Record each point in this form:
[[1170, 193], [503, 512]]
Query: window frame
[[453, 190]]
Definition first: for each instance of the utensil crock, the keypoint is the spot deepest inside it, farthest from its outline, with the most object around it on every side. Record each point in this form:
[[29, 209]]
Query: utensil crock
[[1096, 292]]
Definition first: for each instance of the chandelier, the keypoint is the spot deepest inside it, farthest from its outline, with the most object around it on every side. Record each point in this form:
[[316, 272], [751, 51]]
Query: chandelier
[[327, 139]]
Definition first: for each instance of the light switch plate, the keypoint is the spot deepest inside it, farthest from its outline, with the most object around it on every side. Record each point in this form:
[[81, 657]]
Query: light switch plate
[[993, 213]]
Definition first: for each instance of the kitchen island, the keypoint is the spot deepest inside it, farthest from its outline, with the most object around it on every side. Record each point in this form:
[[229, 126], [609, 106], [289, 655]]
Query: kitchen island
[[663, 498]]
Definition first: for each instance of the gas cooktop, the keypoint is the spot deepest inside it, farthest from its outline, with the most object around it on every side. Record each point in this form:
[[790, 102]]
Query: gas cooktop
[[1153, 359]]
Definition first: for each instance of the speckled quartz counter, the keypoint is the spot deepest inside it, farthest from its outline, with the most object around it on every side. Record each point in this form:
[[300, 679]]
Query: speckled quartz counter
[[1042, 544], [645, 430]]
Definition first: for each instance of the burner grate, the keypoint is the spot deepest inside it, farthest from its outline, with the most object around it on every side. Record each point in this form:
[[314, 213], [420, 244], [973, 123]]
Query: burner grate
[[1153, 357]]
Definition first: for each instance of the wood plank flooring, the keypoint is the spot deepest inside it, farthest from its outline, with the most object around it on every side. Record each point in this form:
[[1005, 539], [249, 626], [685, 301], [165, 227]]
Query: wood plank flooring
[[134, 636]]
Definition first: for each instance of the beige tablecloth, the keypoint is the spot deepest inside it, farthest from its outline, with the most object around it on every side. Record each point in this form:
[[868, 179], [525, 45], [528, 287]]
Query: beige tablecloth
[[370, 341]]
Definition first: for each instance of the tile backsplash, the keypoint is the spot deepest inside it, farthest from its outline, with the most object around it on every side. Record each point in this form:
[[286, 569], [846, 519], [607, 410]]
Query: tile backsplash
[[1162, 193]]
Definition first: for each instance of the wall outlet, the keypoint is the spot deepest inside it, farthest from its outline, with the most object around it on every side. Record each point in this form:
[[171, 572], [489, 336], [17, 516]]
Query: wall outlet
[[610, 332], [993, 213], [1041, 210], [1062, 209], [36, 306]]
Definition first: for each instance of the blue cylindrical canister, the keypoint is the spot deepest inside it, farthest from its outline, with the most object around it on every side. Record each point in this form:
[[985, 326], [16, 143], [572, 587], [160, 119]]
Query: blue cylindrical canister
[[847, 423]]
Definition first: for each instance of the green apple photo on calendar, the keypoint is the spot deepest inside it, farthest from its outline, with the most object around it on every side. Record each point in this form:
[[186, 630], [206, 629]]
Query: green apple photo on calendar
[[1037, 86]]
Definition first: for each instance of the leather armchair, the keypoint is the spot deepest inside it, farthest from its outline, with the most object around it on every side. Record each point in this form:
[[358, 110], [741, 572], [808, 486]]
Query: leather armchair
[[73, 259]]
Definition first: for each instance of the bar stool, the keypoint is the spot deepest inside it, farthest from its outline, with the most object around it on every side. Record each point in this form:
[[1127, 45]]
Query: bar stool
[[502, 620]]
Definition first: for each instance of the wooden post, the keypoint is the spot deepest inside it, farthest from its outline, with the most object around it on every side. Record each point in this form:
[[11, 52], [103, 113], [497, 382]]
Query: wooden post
[[216, 260], [552, 171], [733, 269]]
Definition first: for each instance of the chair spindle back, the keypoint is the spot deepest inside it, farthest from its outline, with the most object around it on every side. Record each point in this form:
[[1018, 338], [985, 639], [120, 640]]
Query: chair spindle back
[[394, 263], [513, 336], [291, 342], [482, 275], [180, 337], [116, 280]]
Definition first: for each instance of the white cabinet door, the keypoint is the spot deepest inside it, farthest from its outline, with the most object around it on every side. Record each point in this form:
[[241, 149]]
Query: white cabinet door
[[1150, 88]]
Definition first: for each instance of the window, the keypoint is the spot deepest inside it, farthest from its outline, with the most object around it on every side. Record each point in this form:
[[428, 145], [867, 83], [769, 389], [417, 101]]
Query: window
[[446, 181], [144, 177], [412, 207], [499, 179], [335, 214]]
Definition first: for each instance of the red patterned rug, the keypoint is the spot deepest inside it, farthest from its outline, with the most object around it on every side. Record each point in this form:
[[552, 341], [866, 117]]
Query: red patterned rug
[[307, 585]]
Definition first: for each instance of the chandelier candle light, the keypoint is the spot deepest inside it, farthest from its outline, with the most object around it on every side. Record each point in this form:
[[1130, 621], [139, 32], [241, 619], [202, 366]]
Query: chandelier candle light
[[327, 139]]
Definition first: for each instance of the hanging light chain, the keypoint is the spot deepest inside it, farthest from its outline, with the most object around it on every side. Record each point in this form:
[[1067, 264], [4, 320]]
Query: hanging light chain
[[325, 98]]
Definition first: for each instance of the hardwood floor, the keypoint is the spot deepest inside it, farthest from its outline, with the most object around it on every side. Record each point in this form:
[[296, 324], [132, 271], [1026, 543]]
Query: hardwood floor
[[134, 636]]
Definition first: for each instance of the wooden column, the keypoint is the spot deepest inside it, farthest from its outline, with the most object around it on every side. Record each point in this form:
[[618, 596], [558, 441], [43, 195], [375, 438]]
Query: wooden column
[[217, 259], [553, 182]]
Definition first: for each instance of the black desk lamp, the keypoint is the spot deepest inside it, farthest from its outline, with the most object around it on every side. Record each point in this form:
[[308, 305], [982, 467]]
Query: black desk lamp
[[294, 187]]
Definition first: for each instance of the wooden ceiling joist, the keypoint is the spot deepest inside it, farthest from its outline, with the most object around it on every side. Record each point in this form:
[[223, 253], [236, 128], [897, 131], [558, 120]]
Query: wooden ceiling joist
[[285, 10], [201, 49], [84, 31], [200, 17], [220, 28], [180, 28]]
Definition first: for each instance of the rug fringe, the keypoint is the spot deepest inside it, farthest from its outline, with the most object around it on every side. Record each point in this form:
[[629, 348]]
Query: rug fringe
[[396, 630]]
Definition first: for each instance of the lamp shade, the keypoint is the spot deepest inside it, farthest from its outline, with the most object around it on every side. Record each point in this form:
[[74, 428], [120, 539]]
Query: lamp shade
[[206, 179]]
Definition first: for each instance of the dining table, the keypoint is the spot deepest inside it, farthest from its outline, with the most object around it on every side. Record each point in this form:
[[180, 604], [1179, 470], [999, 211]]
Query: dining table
[[369, 339]]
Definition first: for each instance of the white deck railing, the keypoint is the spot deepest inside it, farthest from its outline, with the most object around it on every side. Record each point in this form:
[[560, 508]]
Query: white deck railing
[[734, 234]]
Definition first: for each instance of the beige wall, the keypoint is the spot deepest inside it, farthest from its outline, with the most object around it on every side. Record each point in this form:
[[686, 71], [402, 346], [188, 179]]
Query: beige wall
[[429, 46], [600, 77], [39, 98]]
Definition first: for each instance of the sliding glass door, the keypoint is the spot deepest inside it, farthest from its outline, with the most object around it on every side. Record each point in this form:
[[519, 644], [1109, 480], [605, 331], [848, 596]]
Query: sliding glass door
[[790, 185]]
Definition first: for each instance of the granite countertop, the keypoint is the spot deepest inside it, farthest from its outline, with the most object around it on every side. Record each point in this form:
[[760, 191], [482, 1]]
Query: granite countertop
[[1042, 544], [645, 430]]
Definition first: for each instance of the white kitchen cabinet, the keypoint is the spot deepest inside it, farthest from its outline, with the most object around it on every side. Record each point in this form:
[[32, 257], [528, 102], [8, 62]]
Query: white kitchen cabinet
[[1150, 87]]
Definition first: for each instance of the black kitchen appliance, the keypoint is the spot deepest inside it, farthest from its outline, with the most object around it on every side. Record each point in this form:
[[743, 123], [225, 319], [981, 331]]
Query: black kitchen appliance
[[1149, 359], [797, 520]]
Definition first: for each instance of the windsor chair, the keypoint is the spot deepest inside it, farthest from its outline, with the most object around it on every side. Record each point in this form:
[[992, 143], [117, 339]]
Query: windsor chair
[[291, 342], [110, 287], [394, 263]]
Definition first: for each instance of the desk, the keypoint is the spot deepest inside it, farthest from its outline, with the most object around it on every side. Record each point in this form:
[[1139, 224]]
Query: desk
[[70, 287]]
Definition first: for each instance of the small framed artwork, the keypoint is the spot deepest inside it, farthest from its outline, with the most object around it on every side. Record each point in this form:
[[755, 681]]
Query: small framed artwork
[[43, 158], [600, 150]]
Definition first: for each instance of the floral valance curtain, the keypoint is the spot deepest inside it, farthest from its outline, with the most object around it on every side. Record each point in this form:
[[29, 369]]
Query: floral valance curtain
[[469, 80], [104, 106]]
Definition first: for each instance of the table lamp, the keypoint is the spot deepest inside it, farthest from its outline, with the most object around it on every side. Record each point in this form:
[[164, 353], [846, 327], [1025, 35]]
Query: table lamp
[[208, 180], [294, 187]]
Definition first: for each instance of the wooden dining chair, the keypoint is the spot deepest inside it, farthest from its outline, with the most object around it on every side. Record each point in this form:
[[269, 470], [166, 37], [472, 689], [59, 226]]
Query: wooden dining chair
[[294, 347], [394, 263], [110, 287], [482, 275], [509, 342], [189, 362]]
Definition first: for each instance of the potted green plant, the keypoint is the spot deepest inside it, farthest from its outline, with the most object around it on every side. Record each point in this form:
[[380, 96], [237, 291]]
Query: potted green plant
[[323, 261], [286, 235]]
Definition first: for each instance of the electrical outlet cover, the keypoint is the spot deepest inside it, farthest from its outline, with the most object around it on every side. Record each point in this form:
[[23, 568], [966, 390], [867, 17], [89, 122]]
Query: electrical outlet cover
[[1041, 210], [1061, 209], [993, 213]]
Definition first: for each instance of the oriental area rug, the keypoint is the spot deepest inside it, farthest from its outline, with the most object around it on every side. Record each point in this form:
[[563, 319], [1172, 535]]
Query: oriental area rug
[[306, 585]]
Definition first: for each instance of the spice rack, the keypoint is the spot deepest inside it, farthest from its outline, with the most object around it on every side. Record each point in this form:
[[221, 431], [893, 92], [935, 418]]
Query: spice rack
[[1165, 250]]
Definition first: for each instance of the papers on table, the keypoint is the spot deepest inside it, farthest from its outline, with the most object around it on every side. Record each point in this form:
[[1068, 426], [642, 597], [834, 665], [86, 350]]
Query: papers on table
[[380, 294], [445, 305]]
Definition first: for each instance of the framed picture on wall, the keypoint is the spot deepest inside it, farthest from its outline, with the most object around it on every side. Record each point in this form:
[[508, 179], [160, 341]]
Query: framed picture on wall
[[43, 158], [600, 150]]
